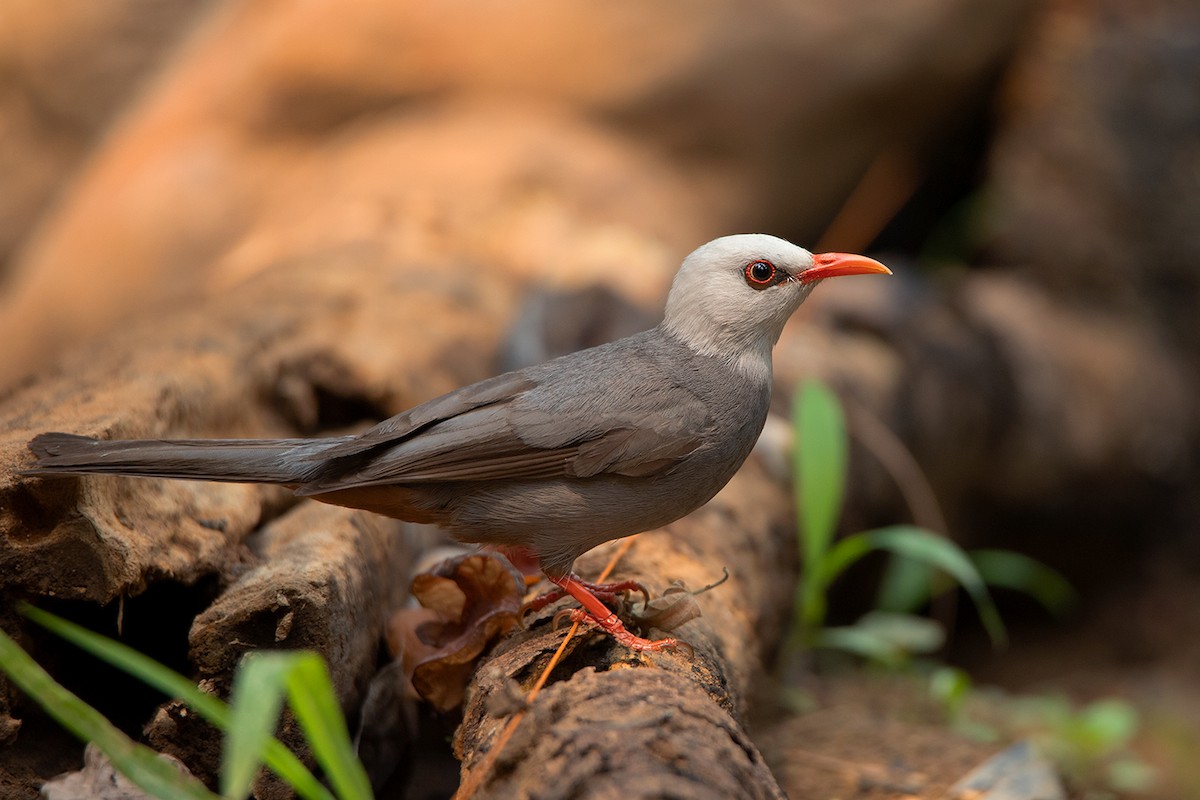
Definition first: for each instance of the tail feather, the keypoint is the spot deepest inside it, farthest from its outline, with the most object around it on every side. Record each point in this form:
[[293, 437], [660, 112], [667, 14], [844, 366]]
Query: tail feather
[[287, 461]]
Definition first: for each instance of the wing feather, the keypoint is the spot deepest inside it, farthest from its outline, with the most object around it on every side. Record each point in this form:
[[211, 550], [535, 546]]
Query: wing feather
[[578, 417]]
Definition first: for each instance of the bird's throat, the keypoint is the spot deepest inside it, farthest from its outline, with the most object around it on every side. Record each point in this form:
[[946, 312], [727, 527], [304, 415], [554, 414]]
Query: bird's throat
[[748, 356]]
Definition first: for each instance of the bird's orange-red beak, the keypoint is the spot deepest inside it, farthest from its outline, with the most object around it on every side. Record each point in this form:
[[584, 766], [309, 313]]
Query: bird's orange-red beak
[[833, 265]]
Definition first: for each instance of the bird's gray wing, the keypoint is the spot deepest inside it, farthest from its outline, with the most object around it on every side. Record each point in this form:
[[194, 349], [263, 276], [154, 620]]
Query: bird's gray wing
[[626, 410], [543, 430], [500, 389], [624, 442]]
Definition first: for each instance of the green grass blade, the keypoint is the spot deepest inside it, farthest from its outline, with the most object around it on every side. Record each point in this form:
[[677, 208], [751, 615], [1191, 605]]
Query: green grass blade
[[138, 763], [908, 585], [283, 762], [818, 466], [818, 475], [937, 551], [316, 707], [1021, 573], [259, 687]]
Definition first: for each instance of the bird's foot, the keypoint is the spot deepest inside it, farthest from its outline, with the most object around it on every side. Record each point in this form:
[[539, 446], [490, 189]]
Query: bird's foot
[[607, 592], [612, 625], [594, 612]]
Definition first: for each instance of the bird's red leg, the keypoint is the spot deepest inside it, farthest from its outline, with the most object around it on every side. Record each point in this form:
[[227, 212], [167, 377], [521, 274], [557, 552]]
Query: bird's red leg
[[599, 614]]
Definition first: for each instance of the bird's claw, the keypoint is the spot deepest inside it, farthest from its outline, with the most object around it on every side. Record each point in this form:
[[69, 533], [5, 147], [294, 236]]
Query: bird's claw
[[640, 645], [621, 589], [613, 626], [575, 615]]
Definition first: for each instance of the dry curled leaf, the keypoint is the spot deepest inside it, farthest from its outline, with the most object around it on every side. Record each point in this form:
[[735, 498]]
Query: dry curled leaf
[[667, 612], [466, 602], [675, 606]]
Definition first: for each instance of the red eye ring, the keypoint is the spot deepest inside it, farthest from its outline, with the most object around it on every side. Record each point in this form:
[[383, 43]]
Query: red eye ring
[[760, 274]]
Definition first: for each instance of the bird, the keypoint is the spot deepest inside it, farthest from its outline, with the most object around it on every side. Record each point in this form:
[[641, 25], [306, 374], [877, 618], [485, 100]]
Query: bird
[[553, 459]]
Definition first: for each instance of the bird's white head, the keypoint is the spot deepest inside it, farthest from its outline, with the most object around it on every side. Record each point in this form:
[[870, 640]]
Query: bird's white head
[[732, 296]]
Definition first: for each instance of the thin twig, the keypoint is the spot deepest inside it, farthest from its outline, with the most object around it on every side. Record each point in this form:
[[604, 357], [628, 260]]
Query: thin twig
[[887, 184], [898, 461]]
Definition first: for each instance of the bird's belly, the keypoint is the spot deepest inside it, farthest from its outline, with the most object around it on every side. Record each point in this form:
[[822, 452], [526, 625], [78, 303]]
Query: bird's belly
[[561, 519]]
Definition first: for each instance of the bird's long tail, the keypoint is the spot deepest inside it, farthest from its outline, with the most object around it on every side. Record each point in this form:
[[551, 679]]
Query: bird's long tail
[[285, 461]]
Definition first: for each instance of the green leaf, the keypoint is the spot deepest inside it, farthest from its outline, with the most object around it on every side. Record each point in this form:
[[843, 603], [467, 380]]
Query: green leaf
[[1106, 725], [906, 586], [811, 594], [1131, 775], [927, 547], [951, 687], [819, 466], [818, 475], [890, 639], [865, 643], [263, 678], [282, 761], [138, 763], [259, 686], [908, 632], [313, 699], [1021, 573]]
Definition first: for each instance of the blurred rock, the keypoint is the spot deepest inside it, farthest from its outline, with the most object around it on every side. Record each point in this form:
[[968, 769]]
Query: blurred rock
[[387, 727], [1018, 772], [99, 780], [1096, 171], [66, 70], [553, 323]]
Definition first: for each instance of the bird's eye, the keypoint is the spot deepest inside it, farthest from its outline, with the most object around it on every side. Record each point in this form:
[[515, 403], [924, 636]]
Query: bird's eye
[[760, 274]]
